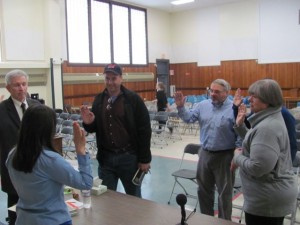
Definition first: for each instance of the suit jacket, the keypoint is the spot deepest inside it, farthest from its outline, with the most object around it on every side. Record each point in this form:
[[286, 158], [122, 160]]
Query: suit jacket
[[9, 128]]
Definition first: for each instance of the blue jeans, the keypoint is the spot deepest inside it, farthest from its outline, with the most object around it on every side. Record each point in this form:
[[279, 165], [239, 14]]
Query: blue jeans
[[115, 166]]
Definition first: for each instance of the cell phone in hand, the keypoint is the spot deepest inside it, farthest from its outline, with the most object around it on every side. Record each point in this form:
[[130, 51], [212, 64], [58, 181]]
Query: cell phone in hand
[[138, 177]]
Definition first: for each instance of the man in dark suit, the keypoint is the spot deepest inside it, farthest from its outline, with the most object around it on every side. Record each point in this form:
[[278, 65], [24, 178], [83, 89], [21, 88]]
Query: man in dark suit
[[11, 113]]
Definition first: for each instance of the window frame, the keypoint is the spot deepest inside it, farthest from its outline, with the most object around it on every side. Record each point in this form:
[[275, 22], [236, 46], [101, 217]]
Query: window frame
[[90, 44]]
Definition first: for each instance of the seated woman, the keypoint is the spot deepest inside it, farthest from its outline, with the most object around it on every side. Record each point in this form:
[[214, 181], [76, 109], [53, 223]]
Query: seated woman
[[39, 173]]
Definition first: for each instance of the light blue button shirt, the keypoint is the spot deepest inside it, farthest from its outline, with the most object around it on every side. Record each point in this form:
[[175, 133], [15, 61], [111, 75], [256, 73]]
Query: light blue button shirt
[[41, 192], [216, 124]]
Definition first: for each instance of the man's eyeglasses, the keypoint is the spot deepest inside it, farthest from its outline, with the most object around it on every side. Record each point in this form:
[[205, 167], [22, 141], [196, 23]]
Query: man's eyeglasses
[[216, 91]]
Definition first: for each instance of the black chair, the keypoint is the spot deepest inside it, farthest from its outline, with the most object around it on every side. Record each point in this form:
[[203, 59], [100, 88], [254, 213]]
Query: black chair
[[186, 174], [161, 119], [59, 111]]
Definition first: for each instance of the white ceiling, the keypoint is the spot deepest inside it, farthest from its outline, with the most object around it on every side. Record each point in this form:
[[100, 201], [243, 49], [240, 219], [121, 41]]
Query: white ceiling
[[166, 5]]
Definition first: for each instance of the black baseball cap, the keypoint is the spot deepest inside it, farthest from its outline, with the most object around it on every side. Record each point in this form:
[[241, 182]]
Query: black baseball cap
[[113, 68]]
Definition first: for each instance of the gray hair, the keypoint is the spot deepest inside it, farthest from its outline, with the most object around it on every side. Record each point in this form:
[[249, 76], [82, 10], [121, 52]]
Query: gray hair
[[223, 83], [15, 73], [161, 85], [268, 91]]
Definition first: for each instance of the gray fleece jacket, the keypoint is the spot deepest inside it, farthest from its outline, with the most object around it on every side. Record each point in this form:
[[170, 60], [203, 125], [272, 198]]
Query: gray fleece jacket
[[268, 181]]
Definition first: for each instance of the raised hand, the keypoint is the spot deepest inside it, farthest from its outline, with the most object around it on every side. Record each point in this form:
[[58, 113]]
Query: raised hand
[[79, 139], [238, 100], [241, 115], [87, 116], [179, 99]]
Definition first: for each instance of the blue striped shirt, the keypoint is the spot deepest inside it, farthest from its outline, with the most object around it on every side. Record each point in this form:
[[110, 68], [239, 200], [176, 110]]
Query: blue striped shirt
[[216, 124]]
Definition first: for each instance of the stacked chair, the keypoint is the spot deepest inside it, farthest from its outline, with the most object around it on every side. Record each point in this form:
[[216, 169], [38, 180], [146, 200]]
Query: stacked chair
[[68, 145], [64, 128], [168, 127], [159, 129]]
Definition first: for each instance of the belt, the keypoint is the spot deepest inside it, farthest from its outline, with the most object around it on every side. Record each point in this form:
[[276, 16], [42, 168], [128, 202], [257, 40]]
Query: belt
[[126, 149], [218, 151]]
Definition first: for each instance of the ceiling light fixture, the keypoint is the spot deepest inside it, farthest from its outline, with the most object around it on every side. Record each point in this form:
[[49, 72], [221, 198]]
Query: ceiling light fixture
[[180, 2]]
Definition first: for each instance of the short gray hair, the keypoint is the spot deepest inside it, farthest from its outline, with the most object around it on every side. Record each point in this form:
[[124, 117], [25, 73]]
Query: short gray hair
[[161, 85], [15, 73], [268, 91], [223, 83]]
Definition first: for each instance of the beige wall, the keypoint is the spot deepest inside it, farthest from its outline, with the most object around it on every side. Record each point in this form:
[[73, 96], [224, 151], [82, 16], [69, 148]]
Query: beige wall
[[31, 34], [33, 31]]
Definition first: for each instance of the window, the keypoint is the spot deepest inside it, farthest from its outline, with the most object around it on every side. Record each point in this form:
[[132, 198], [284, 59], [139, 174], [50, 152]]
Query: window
[[101, 32]]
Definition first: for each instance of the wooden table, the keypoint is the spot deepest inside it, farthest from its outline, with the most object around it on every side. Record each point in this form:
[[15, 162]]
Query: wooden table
[[114, 208]]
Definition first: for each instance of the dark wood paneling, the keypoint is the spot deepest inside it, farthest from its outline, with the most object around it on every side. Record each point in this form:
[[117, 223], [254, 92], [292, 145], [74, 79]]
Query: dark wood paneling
[[239, 73], [76, 94], [192, 79]]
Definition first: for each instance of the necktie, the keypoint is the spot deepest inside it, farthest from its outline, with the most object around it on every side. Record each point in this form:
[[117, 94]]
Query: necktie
[[23, 106]]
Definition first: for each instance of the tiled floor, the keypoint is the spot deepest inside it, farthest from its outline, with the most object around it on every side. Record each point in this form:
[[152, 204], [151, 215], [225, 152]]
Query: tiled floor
[[158, 184]]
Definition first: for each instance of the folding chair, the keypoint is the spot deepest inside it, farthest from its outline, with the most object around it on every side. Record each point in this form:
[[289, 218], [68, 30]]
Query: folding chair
[[64, 115], [159, 128], [191, 127], [151, 105], [91, 143], [59, 122], [296, 166], [59, 111], [67, 123], [75, 117], [173, 124], [186, 174], [67, 141], [237, 188], [294, 214]]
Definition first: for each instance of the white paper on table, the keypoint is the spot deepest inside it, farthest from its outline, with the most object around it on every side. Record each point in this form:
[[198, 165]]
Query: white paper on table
[[74, 203]]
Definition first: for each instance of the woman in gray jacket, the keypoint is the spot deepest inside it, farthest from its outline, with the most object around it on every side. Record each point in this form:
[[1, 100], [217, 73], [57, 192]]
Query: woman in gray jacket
[[268, 181]]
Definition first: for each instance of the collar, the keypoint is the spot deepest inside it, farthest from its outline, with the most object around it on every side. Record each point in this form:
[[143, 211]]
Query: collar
[[16, 102], [220, 104], [255, 118], [112, 97]]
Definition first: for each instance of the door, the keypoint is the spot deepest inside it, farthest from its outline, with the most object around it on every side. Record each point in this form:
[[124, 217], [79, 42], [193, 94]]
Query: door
[[162, 73]]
